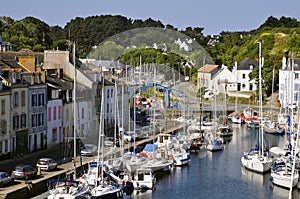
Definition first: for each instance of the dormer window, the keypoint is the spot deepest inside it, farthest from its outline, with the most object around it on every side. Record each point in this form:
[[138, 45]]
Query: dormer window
[[251, 67]]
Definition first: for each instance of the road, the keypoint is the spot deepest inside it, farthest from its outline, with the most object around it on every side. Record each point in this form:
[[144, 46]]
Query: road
[[56, 152]]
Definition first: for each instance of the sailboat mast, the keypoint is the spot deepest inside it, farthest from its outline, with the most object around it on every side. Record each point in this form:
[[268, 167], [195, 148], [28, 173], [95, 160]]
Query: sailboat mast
[[273, 74], [260, 101], [201, 99], [100, 135], [236, 90], [291, 133], [74, 109]]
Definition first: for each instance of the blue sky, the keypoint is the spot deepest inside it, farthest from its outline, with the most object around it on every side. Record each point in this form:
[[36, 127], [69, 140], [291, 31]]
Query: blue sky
[[214, 16]]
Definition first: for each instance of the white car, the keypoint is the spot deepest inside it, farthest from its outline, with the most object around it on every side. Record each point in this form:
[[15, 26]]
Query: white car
[[47, 164], [128, 135], [88, 150]]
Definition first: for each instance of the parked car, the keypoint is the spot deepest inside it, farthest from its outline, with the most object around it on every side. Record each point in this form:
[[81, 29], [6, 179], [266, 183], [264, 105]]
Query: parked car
[[109, 142], [47, 164], [88, 150], [129, 135], [24, 171], [5, 179]]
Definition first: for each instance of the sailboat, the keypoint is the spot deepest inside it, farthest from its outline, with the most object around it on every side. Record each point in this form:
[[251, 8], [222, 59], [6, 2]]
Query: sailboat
[[215, 143], [158, 164], [256, 159], [283, 172], [104, 188], [236, 118], [270, 125]]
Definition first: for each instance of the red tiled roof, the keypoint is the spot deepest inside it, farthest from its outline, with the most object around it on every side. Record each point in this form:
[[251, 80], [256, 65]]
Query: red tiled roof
[[207, 68]]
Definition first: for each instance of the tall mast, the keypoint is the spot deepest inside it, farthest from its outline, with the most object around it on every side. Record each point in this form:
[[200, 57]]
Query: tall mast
[[260, 100], [291, 135], [202, 86], [74, 109]]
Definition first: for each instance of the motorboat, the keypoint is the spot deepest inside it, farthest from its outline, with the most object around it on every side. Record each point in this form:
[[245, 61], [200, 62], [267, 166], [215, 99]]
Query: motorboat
[[68, 189]]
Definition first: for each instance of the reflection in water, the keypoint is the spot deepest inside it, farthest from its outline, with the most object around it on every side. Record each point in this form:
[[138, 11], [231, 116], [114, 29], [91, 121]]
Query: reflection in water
[[221, 175], [202, 153]]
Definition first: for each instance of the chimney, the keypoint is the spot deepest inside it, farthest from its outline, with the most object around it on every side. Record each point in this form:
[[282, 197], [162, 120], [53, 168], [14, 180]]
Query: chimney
[[21, 77], [61, 73], [43, 76], [32, 79], [14, 77]]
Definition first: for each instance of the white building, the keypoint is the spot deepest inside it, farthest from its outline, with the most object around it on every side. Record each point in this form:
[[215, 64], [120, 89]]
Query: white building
[[223, 81], [242, 71], [289, 84]]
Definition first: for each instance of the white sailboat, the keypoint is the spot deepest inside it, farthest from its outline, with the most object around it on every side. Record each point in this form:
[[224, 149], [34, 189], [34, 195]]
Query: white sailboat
[[256, 159], [215, 143], [283, 172], [236, 118]]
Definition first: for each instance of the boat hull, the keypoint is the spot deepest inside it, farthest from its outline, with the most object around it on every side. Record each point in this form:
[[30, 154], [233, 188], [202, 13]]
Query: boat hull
[[257, 165], [283, 180]]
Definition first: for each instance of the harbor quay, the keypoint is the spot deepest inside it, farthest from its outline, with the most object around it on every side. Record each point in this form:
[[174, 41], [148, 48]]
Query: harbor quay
[[31, 188]]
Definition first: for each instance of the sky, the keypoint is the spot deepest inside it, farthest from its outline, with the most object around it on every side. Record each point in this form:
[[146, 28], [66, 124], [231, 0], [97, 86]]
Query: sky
[[214, 16]]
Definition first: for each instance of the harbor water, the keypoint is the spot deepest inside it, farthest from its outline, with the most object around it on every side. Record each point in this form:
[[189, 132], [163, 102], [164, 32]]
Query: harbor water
[[220, 174]]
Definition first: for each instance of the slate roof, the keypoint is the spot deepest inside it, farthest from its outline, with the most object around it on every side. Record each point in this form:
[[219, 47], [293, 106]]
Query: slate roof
[[246, 63], [296, 65], [63, 84]]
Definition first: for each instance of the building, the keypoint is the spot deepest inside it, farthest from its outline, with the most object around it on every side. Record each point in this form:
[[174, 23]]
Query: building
[[37, 111], [205, 75], [289, 82], [242, 71], [5, 133], [223, 81]]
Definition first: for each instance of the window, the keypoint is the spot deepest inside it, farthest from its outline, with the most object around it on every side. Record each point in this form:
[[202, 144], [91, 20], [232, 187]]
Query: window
[[296, 88], [2, 107], [244, 76], [41, 99], [23, 120], [107, 106], [23, 98], [296, 75], [107, 93], [82, 130], [33, 100], [98, 93], [15, 122], [82, 113], [16, 99], [54, 134], [3, 126], [296, 96], [49, 113], [40, 119], [6, 146], [59, 112], [111, 93], [244, 85], [54, 113], [34, 120]]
